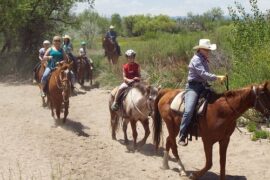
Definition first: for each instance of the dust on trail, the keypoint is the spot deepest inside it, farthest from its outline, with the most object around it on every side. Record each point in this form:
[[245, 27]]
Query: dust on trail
[[31, 147]]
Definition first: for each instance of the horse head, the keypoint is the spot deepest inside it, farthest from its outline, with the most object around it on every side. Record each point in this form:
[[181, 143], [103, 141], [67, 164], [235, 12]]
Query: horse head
[[152, 93], [262, 100]]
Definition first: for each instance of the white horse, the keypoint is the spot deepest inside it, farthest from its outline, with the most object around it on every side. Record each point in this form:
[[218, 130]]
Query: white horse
[[136, 106]]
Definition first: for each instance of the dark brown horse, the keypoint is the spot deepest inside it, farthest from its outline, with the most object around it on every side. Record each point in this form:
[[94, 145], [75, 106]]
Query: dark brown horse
[[59, 86], [217, 125], [110, 50], [137, 106], [83, 70], [38, 74]]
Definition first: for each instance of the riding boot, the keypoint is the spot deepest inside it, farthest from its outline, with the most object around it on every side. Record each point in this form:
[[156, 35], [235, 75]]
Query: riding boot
[[34, 77], [42, 90], [118, 97]]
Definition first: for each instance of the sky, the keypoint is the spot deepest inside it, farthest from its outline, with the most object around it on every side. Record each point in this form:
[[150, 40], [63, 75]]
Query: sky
[[168, 7]]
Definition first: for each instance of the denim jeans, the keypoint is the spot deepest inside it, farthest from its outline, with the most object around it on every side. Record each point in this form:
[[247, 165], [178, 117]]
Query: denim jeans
[[45, 76], [193, 91]]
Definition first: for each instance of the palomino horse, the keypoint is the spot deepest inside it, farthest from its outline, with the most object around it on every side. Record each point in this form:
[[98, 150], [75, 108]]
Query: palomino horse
[[83, 70], [137, 106], [111, 50], [38, 75], [59, 89], [216, 125]]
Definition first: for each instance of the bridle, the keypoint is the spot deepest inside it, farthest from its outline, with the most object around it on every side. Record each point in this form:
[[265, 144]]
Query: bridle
[[258, 102], [64, 85]]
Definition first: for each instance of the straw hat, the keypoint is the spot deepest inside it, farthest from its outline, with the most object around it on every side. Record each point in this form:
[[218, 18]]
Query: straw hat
[[67, 37], [205, 44], [111, 27]]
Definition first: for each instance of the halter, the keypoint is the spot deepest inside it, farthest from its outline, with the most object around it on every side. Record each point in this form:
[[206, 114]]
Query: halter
[[259, 102]]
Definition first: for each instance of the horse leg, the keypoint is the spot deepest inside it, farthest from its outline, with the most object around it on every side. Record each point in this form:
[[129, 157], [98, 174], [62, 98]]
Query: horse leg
[[66, 104], [223, 145], [145, 124], [125, 123], [134, 132], [52, 107], [165, 163], [175, 152], [208, 150], [114, 123]]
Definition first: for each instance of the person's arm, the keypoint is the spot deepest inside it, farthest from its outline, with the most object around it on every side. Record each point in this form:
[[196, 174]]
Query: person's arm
[[126, 80], [200, 70], [47, 56], [139, 75]]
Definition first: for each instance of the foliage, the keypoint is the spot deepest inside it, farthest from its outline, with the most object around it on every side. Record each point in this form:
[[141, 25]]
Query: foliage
[[26, 23], [250, 45], [137, 25], [260, 134], [116, 21]]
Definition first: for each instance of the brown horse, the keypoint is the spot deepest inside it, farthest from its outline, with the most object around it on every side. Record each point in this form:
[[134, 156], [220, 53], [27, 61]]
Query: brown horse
[[217, 125], [38, 74], [83, 70], [137, 106], [110, 50], [59, 86]]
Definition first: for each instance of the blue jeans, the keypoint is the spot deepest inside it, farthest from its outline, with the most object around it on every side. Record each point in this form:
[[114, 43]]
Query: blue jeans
[[45, 76], [193, 91]]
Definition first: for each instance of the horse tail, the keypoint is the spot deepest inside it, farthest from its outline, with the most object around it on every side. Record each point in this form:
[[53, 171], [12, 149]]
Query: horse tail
[[157, 120]]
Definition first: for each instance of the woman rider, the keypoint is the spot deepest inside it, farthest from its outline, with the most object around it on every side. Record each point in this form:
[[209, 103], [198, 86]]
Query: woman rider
[[67, 46], [53, 55], [198, 76]]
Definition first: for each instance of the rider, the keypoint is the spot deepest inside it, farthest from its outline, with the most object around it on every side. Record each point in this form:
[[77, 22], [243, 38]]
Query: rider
[[198, 76], [131, 74], [46, 45], [53, 55], [82, 53], [113, 35], [68, 47]]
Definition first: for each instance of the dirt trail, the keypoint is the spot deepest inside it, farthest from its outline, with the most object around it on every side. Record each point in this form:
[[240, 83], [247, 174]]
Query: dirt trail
[[31, 147]]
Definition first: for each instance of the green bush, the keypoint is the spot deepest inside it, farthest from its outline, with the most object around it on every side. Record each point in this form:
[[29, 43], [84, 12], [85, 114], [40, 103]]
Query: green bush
[[260, 134], [251, 126]]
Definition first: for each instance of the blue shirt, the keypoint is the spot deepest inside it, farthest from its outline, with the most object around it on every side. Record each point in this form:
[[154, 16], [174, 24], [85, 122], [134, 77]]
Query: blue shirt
[[199, 70], [112, 35], [68, 48]]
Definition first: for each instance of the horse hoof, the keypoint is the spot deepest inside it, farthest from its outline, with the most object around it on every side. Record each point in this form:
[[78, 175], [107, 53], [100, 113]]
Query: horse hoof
[[182, 173], [192, 176], [164, 167]]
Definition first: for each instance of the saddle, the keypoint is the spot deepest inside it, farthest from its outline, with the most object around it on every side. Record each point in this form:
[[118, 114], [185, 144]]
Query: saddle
[[178, 106]]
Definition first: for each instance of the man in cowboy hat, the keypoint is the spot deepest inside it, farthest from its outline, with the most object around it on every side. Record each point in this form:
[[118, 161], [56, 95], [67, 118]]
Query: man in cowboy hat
[[198, 76], [113, 35]]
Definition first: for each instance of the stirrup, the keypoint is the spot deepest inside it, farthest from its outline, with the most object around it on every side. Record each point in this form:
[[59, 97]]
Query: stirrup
[[42, 94], [183, 141]]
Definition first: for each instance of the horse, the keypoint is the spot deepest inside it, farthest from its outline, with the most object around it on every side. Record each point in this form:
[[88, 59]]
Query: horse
[[59, 86], [137, 106], [38, 75], [217, 124], [110, 50], [83, 69]]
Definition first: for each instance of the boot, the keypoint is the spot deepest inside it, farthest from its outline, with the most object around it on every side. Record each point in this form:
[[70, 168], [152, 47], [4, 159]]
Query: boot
[[42, 93], [115, 105]]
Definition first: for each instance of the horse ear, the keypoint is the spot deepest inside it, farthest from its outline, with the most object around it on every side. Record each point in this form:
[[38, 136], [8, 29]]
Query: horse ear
[[159, 87]]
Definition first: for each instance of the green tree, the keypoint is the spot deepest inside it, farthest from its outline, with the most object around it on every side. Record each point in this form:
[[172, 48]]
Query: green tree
[[116, 21]]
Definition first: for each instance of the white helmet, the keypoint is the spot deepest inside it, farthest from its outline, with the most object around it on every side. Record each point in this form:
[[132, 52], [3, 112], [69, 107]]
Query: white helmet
[[46, 42], [130, 52], [111, 27]]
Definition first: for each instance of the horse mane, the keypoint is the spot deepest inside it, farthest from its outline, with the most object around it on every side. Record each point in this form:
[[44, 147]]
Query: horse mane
[[142, 87], [228, 94]]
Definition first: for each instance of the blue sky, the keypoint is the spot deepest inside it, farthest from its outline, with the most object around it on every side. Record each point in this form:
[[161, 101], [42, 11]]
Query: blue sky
[[168, 7]]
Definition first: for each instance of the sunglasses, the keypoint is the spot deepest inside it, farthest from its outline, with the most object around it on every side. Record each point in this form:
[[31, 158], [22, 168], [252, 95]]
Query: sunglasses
[[57, 40]]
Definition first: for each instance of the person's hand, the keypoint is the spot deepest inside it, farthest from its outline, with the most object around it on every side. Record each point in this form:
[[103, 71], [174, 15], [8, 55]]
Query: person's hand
[[221, 78], [136, 79]]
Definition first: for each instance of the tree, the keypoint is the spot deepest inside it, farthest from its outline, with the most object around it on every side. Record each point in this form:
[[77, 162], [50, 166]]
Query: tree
[[117, 22]]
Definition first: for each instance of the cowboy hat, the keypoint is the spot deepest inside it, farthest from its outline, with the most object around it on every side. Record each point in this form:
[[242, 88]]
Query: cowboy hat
[[67, 37], [205, 44], [111, 27]]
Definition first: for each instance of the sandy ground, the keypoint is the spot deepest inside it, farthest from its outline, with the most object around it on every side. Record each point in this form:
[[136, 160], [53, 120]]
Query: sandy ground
[[31, 147]]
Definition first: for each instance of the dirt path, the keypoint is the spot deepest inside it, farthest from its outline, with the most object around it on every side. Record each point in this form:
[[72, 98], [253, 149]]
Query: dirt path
[[32, 148]]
